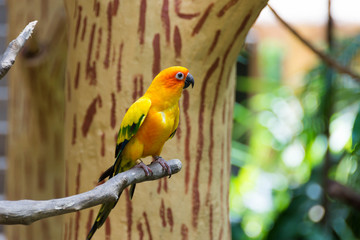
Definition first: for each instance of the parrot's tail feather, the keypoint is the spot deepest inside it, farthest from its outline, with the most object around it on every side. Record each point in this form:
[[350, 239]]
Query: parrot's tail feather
[[107, 173], [92, 231], [101, 217], [132, 190]]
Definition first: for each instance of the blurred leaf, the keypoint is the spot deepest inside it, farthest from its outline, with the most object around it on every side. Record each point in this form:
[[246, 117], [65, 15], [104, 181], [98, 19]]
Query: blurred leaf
[[356, 135]]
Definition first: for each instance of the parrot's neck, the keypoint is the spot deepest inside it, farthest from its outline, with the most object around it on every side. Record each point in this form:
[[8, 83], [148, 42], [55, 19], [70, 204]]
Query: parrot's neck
[[163, 98]]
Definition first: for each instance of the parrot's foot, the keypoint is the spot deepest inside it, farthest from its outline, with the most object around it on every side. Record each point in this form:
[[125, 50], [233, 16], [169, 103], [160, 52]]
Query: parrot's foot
[[163, 163], [146, 169]]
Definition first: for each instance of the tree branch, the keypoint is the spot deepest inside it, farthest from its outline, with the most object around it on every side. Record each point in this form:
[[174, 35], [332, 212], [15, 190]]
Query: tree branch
[[344, 194], [29, 211], [8, 58], [327, 59]]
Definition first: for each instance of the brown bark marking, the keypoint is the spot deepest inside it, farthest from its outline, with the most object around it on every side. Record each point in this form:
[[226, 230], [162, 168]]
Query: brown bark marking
[[200, 144], [141, 232], [221, 233], [184, 232], [73, 140], [170, 218], [90, 220], [77, 28], [142, 20], [166, 19], [113, 55], [228, 77], [77, 224], [77, 75], [156, 61], [159, 186], [165, 184], [70, 228], [210, 222], [78, 174], [210, 155], [44, 130], [214, 42], [129, 211], [118, 71], [84, 28], [187, 140], [68, 86], [65, 231], [135, 92], [162, 213], [108, 40], [44, 230], [147, 225], [115, 7], [237, 34], [44, 14], [97, 54], [96, 8], [202, 20], [42, 174], [223, 113], [141, 87], [178, 134], [177, 42], [107, 229], [211, 130], [184, 15], [90, 113], [91, 68], [113, 111], [66, 181], [226, 7], [57, 186], [102, 149]]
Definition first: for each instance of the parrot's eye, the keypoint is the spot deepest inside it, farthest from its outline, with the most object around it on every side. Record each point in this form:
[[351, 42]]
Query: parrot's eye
[[179, 76]]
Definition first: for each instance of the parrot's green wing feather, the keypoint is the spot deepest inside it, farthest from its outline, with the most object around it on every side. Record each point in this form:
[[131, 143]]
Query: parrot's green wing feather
[[131, 122]]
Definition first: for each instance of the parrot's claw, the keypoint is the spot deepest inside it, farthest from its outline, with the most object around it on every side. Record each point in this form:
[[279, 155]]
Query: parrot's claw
[[163, 163], [146, 169]]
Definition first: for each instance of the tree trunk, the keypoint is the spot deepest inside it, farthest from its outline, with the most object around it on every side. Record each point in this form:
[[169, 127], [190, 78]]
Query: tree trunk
[[115, 49], [36, 113]]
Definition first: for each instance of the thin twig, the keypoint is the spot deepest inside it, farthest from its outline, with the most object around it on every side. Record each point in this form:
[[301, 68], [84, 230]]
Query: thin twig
[[327, 59], [344, 194], [29, 211], [8, 58]]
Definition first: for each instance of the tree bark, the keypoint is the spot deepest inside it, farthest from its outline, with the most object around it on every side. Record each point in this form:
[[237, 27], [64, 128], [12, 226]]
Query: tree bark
[[115, 49], [36, 112]]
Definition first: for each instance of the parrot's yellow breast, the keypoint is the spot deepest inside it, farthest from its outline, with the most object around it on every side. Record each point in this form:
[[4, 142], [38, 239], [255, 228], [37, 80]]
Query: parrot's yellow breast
[[153, 133]]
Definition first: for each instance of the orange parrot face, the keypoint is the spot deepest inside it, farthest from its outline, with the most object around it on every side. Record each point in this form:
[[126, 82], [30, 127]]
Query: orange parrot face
[[175, 78]]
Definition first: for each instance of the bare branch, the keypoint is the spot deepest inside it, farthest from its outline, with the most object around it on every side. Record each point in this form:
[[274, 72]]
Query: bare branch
[[327, 59], [344, 194], [8, 58], [29, 211]]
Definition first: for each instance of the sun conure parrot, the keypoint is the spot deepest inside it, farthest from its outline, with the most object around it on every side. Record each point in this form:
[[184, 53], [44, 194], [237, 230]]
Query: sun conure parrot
[[147, 125]]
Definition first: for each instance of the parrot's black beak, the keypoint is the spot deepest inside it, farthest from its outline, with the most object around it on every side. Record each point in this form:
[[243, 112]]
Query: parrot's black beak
[[189, 80]]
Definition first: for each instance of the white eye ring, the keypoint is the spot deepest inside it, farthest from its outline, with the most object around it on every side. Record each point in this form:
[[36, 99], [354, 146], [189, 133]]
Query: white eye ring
[[179, 76]]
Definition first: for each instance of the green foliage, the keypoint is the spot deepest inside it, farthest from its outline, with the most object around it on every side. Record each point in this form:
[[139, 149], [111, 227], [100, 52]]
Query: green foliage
[[280, 143]]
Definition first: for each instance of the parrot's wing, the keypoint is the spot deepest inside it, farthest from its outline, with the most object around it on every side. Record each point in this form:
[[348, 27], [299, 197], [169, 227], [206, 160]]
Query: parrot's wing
[[131, 122], [175, 125]]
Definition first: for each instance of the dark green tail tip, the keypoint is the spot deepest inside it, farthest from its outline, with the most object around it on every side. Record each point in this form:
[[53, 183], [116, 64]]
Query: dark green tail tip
[[91, 233]]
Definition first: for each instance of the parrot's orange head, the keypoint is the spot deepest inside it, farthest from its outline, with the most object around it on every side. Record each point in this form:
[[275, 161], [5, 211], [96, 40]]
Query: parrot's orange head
[[174, 78]]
